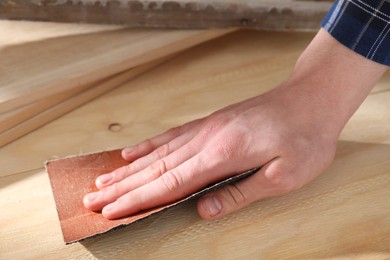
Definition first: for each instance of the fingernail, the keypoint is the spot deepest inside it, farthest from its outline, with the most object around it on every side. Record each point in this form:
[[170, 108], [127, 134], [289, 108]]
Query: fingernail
[[109, 207], [212, 205], [92, 196], [104, 179]]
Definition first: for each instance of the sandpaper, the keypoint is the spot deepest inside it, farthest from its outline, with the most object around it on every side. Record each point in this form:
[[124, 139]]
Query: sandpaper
[[73, 177]]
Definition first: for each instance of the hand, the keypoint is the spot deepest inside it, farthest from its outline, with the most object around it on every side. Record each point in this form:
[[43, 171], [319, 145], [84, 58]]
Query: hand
[[271, 130], [290, 131]]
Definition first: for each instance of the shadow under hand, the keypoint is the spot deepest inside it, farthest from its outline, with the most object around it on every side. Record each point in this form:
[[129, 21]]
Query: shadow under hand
[[144, 238]]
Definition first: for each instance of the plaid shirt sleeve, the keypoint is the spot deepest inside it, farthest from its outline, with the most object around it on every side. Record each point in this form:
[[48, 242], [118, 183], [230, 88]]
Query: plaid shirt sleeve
[[363, 26]]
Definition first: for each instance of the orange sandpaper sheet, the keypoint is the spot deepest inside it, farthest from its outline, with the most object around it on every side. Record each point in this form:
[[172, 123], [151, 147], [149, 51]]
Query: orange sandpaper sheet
[[73, 177]]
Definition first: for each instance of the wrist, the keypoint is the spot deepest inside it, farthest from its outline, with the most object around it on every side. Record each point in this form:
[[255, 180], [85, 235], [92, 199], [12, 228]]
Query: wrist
[[331, 81]]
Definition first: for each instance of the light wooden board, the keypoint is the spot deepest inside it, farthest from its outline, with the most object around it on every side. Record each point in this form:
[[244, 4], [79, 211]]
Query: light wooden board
[[22, 32], [44, 111], [260, 14], [343, 214], [19, 115], [20, 121], [60, 63]]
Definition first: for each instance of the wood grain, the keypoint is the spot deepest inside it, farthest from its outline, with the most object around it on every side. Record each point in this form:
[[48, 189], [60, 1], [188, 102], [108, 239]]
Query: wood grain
[[344, 214], [20, 121], [33, 116], [70, 61], [17, 116], [263, 14]]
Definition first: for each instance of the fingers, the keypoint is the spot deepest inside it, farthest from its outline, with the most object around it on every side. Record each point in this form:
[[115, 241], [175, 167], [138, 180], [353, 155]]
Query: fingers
[[273, 179], [97, 200], [142, 163], [175, 184], [134, 152]]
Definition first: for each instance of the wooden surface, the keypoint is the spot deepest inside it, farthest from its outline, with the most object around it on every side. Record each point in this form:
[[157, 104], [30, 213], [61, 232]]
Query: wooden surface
[[344, 214], [31, 117], [75, 63], [260, 14], [58, 64]]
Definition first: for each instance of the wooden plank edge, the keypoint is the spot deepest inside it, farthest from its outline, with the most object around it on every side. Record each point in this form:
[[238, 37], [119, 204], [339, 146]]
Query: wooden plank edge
[[75, 101], [12, 118], [293, 15]]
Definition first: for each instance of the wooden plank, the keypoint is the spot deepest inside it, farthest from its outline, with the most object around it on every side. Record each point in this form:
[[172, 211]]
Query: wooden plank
[[22, 32], [17, 116], [49, 110], [343, 214], [68, 62], [26, 115], [264, 14]]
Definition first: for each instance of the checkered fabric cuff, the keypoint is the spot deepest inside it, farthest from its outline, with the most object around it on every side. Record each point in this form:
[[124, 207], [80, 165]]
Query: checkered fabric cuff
[[363, 26]]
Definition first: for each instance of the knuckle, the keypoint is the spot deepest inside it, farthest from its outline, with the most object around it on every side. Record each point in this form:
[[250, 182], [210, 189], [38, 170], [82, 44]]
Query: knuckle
[[281, 181], [208, 131], [213, 125], [227, 148], [146, 145], [221, 117], [162, 151], [173, 132], [128, 170], [114, 190], [230, 143], [236, 196], [158, 168], [224, 151], [171, 182]]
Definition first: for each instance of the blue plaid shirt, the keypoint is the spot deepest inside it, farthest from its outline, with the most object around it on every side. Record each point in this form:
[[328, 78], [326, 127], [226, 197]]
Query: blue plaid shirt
[[363, 26]]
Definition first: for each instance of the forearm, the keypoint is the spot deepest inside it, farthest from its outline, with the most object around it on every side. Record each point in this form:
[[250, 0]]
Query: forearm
[[331, 80]]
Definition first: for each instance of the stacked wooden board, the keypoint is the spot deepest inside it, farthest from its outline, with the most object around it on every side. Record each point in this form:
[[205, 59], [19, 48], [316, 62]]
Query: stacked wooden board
[[344, 214], [76, 63], [259, 14]]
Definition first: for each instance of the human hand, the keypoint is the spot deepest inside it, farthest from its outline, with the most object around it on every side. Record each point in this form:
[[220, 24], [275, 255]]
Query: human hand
[[263, 131]]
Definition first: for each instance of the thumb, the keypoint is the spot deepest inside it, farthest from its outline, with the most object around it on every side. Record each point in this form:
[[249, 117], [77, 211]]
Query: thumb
[[273, 179]]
